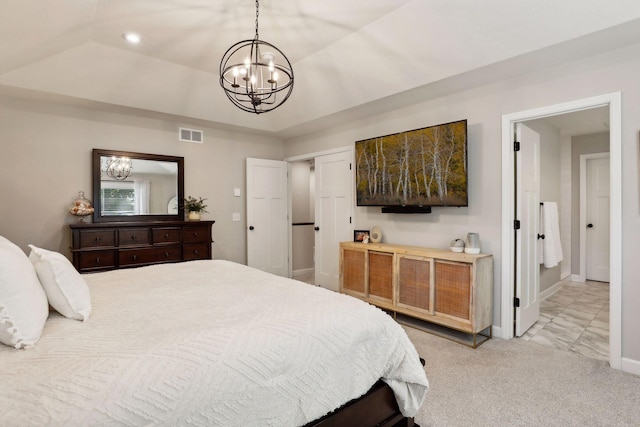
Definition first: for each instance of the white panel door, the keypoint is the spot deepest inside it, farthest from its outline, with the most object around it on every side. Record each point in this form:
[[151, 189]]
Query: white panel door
[[267, 206], [597, 215], [528, 211], [333, 211]]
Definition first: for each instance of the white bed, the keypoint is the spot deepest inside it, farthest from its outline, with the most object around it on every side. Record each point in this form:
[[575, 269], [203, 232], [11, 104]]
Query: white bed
[[206, 343]]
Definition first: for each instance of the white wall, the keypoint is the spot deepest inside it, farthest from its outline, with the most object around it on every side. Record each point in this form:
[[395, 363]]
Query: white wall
[[46, 159], [483, 108]]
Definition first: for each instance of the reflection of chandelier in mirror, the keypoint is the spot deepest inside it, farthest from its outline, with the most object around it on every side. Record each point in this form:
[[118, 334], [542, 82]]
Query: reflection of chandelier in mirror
[[256, 81], [118, 167]]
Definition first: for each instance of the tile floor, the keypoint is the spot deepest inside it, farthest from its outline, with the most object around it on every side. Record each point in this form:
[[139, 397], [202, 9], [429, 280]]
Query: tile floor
[[575, 318]]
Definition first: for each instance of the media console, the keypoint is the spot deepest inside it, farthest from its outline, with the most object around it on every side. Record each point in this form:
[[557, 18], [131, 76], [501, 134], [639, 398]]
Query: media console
[[454, 290]]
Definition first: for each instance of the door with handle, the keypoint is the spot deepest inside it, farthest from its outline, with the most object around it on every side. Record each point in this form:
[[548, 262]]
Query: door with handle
[[333, 212], [267, 204], [597, 216], [527, 311]]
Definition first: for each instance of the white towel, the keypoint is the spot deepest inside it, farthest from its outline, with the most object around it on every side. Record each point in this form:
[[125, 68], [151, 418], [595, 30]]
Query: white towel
[[549, 248]]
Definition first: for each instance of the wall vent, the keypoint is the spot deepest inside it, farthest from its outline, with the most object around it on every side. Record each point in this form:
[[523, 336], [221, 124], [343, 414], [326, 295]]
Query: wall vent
[[191, 135]]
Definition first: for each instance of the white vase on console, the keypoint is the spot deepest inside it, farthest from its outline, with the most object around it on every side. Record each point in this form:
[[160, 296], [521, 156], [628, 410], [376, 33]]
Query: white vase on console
[[473, 243]]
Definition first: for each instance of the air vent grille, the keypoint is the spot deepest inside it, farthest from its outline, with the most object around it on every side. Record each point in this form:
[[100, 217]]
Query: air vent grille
[[191, 135]]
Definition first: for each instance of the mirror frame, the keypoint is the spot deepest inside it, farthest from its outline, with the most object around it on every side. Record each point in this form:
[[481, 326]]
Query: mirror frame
[[97, 204]]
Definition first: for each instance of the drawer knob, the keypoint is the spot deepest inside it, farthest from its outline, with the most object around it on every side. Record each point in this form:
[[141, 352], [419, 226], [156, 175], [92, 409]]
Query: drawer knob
[[195, 251], [166, 254], [98, 239], [133, 237], [166, 235], [195, 233], [98, 260], [135, 257]]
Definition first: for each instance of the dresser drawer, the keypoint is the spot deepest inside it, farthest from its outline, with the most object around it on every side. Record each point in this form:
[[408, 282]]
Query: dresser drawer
[[134, 236], [193, 252], [122, 244], [131, 257], [97, 238], [95, 260], [197, 234], [166, 235]]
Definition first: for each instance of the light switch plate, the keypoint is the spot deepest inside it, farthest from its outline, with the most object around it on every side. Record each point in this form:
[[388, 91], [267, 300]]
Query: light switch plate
[[236, 192], [235, 216]]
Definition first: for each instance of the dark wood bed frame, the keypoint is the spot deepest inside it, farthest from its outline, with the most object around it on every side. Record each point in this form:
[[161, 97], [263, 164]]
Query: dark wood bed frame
[[378, 407]]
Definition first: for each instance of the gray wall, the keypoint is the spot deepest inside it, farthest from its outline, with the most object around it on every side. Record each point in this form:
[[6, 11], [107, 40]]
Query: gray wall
[[585, 144], [46, 160], [483, 107]]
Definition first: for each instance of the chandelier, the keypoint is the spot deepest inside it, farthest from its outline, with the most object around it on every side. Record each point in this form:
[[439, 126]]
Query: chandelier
[[255, 75], [118, 167]]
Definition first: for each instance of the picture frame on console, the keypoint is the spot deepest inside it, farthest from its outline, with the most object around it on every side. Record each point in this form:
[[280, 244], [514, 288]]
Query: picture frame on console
[[361, 236]]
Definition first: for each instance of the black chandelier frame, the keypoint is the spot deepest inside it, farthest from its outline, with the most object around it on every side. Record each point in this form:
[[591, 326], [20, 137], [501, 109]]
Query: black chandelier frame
[[252, 85]]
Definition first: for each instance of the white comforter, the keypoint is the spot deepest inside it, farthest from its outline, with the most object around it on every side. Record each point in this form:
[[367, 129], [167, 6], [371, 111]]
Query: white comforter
[[206, 343]]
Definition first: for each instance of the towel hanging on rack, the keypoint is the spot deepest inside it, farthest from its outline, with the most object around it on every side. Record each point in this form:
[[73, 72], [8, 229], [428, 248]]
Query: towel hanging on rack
[[549, 246]]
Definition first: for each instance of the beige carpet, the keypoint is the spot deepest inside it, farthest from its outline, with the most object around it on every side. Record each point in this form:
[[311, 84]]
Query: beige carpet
[[518, 383]]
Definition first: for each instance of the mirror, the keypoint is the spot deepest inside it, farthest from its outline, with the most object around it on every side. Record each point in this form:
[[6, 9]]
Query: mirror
[[137, 187]]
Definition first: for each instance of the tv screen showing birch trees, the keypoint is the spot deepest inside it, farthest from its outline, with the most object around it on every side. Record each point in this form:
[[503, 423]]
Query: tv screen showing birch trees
[[422, 167]]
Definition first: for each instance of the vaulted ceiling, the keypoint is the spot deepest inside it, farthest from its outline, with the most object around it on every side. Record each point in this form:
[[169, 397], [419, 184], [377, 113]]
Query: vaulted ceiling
[[351, 58]]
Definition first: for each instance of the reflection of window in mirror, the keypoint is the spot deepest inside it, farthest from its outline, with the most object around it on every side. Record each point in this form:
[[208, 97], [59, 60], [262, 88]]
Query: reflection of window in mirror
[[125, 197], [117, 198]]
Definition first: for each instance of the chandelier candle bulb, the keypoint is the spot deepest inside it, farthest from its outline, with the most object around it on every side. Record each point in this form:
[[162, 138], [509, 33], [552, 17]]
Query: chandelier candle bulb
[[235, 77]]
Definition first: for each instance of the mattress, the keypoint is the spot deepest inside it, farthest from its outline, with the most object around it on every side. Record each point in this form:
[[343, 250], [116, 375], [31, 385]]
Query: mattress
[[206, 343]]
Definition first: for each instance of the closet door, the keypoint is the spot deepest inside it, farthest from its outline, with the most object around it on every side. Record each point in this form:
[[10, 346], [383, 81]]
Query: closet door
[[267, 223], [334, 204]]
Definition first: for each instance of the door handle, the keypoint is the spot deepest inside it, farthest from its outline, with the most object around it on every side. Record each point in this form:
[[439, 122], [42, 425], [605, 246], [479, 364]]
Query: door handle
[[316, 228], [251, 227], [589, 225]]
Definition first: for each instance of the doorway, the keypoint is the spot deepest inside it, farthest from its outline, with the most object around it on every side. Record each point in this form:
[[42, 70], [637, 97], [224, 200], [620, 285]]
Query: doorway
[[330, 203], [302, 191], [510, 239]]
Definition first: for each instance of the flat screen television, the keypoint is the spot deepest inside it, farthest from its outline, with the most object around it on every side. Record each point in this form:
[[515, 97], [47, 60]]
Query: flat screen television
[[409, 172]]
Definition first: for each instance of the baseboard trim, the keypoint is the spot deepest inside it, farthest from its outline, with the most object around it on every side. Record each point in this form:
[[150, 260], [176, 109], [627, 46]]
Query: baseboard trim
[[302, 271], [630, 366], [496, 331], [576, 278], [551, 290]]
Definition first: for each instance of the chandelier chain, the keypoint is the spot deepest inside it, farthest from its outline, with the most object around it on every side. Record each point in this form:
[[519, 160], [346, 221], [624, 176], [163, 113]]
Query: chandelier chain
[[257, 14]]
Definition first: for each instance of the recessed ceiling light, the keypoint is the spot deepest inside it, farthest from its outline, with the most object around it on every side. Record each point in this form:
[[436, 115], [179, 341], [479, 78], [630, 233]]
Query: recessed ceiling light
[[133, 38]]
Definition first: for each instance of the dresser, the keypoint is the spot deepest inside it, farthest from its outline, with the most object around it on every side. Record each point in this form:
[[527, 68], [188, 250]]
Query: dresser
[[454, 290], [114, 245]]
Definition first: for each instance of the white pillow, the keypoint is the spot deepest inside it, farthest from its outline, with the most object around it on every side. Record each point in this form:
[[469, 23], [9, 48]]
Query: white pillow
[[66, 289], [23, 303]]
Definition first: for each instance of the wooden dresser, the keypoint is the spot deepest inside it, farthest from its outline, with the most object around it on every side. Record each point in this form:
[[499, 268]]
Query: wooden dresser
[[454, 290], [113, 245]]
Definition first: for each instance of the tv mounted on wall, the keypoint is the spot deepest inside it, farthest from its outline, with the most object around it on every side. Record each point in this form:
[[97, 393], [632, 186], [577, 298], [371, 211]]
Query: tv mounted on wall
[[409, 172]]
